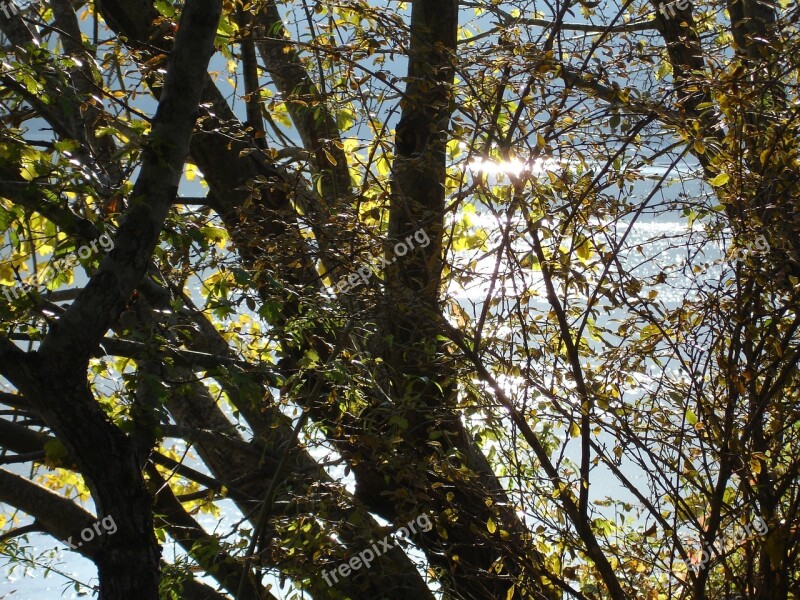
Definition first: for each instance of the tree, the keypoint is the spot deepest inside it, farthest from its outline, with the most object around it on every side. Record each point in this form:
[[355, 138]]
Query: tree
[[358, 330]]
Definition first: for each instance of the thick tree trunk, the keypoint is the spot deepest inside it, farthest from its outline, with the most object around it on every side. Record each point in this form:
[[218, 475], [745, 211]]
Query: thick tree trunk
[[422, 386], [128, 561], [53, 379]]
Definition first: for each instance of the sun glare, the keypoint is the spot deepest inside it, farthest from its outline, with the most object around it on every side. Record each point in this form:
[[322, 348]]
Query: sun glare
[[513, 167]]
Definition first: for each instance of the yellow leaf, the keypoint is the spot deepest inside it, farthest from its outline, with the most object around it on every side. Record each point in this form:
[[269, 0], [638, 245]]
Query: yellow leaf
[[491, 526], [28, 172], [454, 148], [574, 430], [330, 158], [6, 274], [383, 166], [584, 249], [192, 171], [720, 179], [510, 593]]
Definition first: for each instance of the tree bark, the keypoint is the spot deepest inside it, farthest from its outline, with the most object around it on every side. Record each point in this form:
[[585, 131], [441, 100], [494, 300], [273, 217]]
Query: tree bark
[[53, 378]]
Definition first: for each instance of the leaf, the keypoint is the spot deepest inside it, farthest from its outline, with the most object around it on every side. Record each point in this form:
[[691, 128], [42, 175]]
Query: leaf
[[55, 453], [382, 165], [66, 145], [345, 119], [6, 273], [192, 171], [691, 418], [583, 249], [330, 158], [720, 179], [310, 359], [490, 525]]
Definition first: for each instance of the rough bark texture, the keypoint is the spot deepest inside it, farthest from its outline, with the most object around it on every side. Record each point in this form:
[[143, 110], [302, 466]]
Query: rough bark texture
[[53, 378]]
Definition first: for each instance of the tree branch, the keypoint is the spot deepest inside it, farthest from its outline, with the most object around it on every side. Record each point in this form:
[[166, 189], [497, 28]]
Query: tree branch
[[202, 547], [100, 304], [56, 515]]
